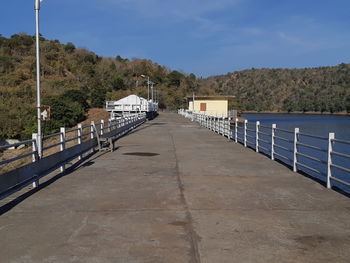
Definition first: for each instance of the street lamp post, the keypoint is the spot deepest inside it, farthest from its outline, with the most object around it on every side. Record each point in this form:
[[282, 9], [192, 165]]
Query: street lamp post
[[37, 34], [148, 82], [152, 83]]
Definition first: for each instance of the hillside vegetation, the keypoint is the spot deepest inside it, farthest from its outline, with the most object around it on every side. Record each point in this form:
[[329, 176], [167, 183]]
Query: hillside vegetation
[[325, 89], [73, 80]]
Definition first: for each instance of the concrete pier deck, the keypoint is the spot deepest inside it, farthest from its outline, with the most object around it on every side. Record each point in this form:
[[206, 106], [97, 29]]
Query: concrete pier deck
[[174, 192]]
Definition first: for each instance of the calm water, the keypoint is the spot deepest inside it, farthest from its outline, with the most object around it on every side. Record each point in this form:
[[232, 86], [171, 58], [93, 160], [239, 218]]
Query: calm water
[[313, 124], [319, 125]]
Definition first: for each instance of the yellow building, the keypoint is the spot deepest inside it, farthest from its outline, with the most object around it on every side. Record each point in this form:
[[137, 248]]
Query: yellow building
[[210, 105]]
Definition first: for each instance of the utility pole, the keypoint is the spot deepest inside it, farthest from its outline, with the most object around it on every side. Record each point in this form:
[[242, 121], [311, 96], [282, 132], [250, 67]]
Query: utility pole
[[152, 91], [38, 99], [147, 88]]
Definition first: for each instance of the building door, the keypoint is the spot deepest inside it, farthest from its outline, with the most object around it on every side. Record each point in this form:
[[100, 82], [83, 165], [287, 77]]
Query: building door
[[203, 107]]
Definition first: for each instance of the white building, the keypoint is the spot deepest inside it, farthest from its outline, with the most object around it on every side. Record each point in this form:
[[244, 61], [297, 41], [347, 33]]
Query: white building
[[130, 105]]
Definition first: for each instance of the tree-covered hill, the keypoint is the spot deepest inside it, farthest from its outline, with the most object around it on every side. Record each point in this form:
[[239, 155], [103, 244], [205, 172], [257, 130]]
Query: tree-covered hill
[[73, 80], [324, 89]]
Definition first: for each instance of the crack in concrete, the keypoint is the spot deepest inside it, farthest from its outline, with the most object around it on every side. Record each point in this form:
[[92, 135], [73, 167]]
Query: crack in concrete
[[194, 238]]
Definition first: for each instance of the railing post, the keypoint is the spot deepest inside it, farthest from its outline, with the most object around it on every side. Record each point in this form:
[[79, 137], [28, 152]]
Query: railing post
[[257, 136], [245, 132], [35, 155], [236, 130], [109, 125], [217, 124], [80, 133], [102, 127], [92, 134], [223, 126], [273, 127], [62, 145], [229, 134], [331, 137], [295, 151]]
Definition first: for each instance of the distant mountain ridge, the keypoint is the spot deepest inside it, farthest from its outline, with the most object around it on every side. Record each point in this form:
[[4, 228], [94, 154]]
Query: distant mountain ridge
[[323, 89]]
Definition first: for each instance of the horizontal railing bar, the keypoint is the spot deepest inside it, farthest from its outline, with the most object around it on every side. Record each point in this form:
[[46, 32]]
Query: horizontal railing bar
[[262, 140], [264, 148], [283, 130], [252, 143], [311, 157], [313, 136], [283, 139], [263, 126], [87, 126], [4, 147], [73, 130], [71, 139], [310, 168], [16, 158], [282, 156], [250, 130], [340, 167], [341, 141], [52, 135], [250, 136], [340, 181], [311, 147], [263, 133], [341, 154], [283, 148], [52, 146], [86, 134]]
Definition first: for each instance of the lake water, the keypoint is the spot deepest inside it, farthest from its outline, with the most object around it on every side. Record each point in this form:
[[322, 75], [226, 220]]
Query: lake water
[[319, 125], [308, 123]]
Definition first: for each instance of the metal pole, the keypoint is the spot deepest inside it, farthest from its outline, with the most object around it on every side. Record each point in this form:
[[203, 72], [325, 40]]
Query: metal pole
[[236, 130], [147, 88], [257, 136], [273, 128], [245, 132], [38, 99], [152, 91], [331, 137], [295, 151]]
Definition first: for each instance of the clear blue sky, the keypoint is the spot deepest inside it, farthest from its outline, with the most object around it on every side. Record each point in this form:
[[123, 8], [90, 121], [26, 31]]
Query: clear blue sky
[[206, 37]]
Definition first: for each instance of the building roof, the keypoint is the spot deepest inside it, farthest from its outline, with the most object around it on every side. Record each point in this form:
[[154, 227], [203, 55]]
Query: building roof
[[131, 99], [210, 97]]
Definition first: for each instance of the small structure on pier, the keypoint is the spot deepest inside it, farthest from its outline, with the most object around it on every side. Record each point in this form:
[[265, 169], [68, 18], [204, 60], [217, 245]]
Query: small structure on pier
[[212, 105], [131, 104]]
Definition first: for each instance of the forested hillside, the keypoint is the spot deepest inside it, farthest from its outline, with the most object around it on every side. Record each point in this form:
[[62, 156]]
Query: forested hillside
[[73, 80], [325, 89]]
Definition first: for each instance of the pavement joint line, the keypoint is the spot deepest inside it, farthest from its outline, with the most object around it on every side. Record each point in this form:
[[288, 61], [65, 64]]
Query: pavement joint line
[[189, 227]]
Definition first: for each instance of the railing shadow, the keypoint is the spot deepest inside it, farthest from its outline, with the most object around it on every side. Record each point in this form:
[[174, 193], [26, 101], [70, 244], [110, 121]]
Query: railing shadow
[[76, 166], [313, 178]]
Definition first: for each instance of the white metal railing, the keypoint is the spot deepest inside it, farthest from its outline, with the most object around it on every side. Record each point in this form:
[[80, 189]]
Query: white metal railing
[[58, 149], [327, 157], [143, 106]]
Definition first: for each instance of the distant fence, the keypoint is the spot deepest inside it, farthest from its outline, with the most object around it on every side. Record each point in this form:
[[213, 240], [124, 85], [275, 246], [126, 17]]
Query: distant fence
[[326, 158], [58, 150]]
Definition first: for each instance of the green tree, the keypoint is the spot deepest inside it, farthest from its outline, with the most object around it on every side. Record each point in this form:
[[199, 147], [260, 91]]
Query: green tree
[[69, 47]]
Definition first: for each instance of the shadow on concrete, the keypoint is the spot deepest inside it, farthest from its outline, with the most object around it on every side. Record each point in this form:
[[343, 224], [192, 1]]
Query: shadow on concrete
[[313, 178], [143, 154], [76, 166], [80, 164]]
